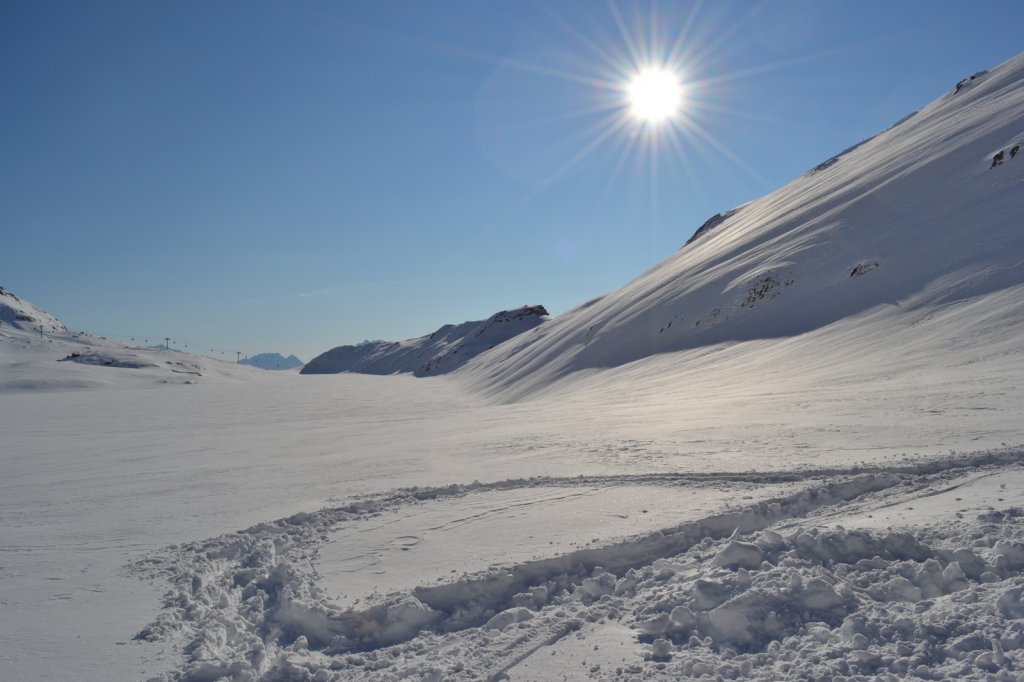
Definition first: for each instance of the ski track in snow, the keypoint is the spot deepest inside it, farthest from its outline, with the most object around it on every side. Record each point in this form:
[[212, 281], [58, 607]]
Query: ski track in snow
[[724, 587]]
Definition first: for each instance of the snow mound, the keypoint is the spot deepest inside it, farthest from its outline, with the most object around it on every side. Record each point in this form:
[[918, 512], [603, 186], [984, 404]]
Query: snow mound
[[22, 315], [447, 349]]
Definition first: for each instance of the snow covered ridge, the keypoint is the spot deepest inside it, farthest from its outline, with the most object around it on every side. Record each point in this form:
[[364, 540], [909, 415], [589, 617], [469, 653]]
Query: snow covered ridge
[[21, 314], [711, 223], [448, 348], [773, 590], [924, 202], [272, 361]]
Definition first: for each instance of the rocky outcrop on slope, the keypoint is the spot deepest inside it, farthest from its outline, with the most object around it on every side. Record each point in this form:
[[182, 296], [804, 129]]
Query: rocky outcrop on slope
[[710, 224]]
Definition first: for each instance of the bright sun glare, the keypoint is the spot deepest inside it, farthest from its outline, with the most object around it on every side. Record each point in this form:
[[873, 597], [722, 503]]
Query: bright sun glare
[[655, 95]]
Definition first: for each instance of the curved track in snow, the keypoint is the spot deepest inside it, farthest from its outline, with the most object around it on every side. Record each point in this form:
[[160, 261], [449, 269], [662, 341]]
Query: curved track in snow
[[251, 604]]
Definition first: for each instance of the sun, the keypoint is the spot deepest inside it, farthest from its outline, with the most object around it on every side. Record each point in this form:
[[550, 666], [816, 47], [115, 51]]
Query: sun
[[655, 95]]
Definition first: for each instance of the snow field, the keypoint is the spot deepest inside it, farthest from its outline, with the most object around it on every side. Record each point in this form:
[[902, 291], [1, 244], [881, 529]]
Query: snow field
[[128, 471]]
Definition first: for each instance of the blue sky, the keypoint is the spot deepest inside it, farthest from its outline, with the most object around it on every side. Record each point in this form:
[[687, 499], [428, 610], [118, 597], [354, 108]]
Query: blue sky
[[292, 176]]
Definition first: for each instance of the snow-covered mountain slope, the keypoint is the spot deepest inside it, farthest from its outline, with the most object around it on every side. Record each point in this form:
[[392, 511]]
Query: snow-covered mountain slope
[[38, 352], [448, 348], [273, 361], [909, 224], [18, 313]]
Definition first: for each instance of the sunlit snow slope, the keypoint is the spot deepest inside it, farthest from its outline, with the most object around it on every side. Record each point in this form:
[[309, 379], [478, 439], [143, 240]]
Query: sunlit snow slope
[[913, 223]]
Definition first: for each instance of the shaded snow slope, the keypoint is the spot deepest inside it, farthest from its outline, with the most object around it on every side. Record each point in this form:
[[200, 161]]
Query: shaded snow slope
[[912, 221], [448, 348], [272, 361]]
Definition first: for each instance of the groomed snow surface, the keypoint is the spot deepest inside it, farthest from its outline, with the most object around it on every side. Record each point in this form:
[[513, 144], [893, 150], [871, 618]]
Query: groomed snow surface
[[793, 451]]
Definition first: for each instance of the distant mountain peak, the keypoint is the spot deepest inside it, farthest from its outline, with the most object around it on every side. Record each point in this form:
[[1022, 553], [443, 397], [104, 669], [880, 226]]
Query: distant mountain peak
[[272, 361], [442, 351]]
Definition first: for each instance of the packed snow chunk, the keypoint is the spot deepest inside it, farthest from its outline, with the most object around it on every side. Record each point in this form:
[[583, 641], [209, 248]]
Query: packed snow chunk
[[394, 621], [682, 619], [599, 583], [905, 546], [744, 620], [972, 565], [517, 614], [1009, 554], [969, 642], [738, 554], [953, 578], [708, 594], [897, 589], [661, 650], [818, 595], [404, 618], [769, 539], [1009, 603], [658, 625], [929, 579]]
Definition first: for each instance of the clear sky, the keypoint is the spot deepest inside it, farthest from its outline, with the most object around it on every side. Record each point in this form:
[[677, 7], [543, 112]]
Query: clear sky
[[292, 176]]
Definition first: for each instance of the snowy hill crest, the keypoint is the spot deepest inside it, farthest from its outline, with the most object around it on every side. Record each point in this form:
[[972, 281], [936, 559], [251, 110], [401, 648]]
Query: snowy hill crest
[[19, 313], [447, 349]]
